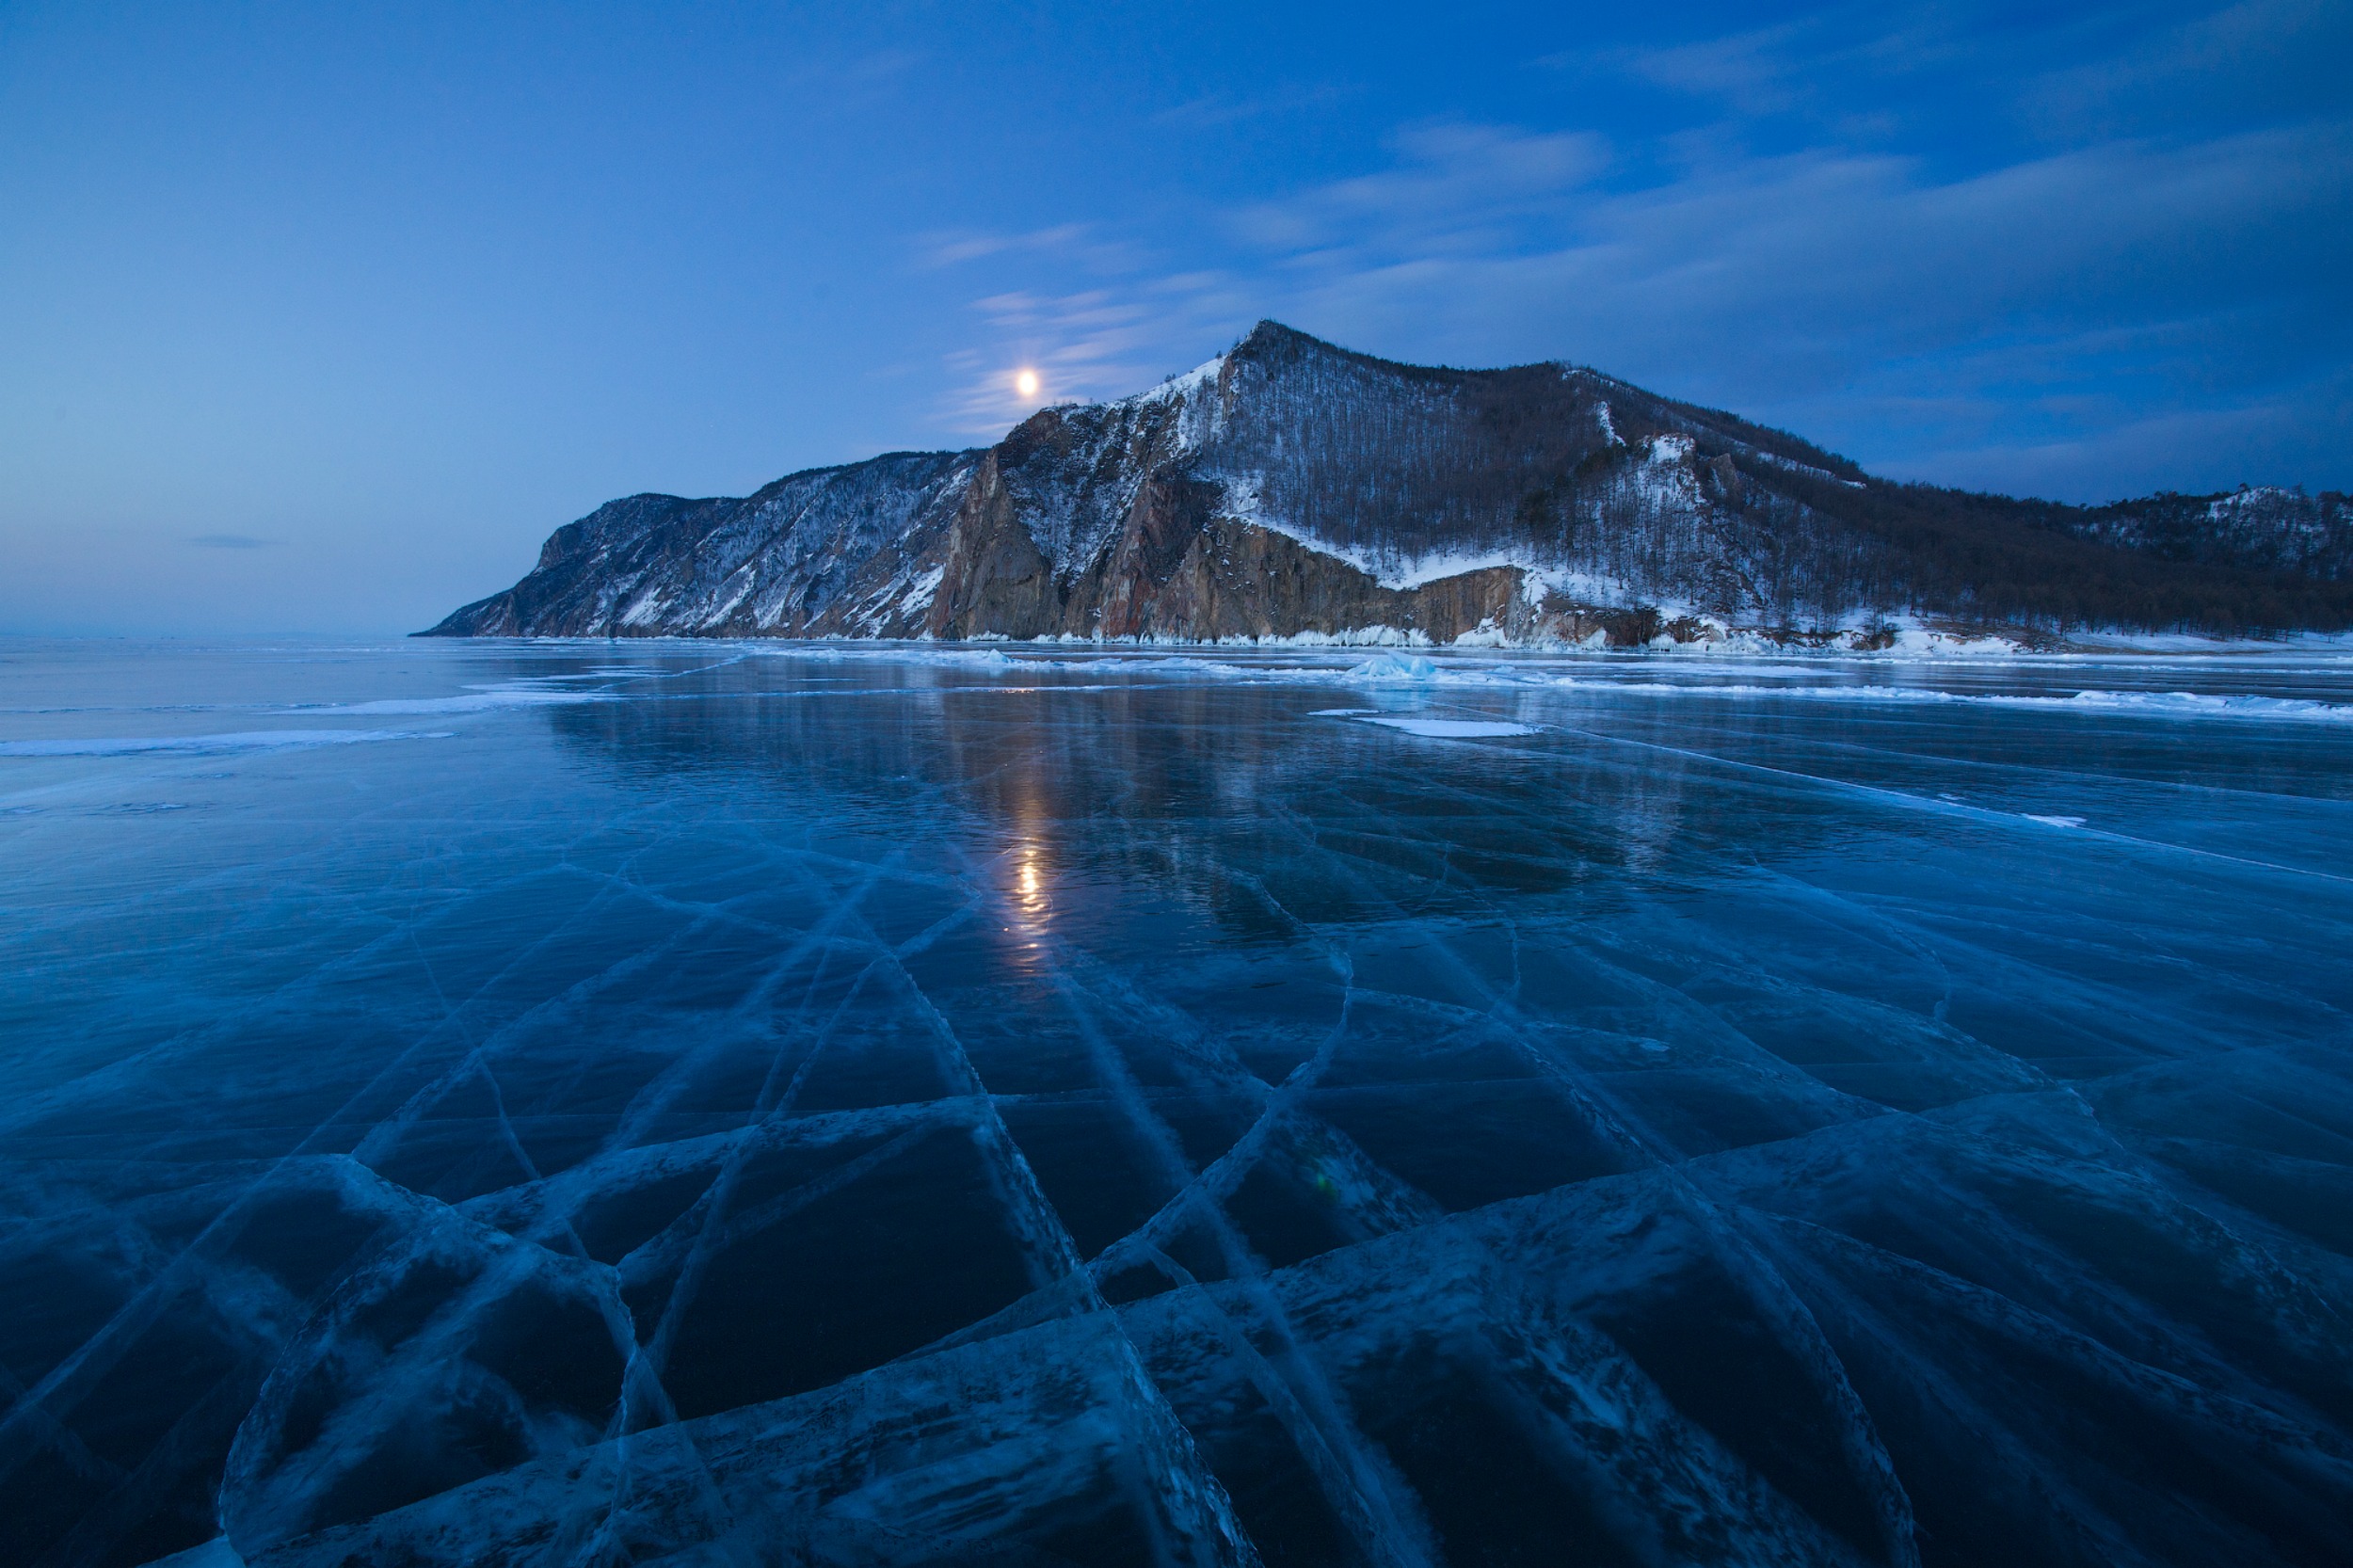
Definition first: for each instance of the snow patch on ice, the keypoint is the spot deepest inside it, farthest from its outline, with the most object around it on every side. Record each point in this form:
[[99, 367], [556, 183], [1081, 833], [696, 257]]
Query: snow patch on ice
[[480, 700], [1446, 730], [2090, 700], [2187, 642], [2175, 704], [252, 740]]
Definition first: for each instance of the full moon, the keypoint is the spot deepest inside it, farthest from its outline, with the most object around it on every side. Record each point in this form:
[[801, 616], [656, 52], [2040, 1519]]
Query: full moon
[[1025, 382]]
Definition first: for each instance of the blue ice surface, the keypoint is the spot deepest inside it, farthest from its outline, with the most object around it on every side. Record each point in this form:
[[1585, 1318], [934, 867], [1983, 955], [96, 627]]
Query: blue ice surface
[[668, 1102]]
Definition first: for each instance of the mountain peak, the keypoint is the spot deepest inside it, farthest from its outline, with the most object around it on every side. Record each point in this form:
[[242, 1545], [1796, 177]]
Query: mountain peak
[[1294, 487], [1269, 331], [1271, 338]]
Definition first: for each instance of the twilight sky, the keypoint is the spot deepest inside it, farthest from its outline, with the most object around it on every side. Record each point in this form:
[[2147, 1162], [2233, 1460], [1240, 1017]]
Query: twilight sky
[[319, 318]]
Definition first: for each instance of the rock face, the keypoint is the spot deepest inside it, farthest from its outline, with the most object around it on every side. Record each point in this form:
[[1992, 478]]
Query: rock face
[[1290, 488]]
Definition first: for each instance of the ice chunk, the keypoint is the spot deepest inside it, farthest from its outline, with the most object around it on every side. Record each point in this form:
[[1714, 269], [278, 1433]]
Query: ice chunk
[[1389, 669]]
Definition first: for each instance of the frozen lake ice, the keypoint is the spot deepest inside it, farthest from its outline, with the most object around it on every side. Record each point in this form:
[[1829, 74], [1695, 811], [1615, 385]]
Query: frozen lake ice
[[664, 1102]]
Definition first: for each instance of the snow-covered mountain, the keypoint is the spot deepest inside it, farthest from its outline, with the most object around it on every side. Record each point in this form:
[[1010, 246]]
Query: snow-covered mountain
[[1290, 488]]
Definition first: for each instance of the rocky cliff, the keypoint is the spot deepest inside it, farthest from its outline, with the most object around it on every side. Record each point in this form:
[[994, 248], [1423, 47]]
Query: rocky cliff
[[1291, 488]]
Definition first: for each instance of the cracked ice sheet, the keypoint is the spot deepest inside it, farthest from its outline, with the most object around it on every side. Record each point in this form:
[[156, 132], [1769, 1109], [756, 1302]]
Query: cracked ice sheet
[[1119, 1117]]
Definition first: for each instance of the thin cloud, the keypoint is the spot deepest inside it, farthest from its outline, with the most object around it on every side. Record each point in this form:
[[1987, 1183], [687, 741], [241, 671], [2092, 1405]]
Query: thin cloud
[[952, 250], [1750, 71], [1082, 245], [1786, 66], [1452, 183], [1217, 110]]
